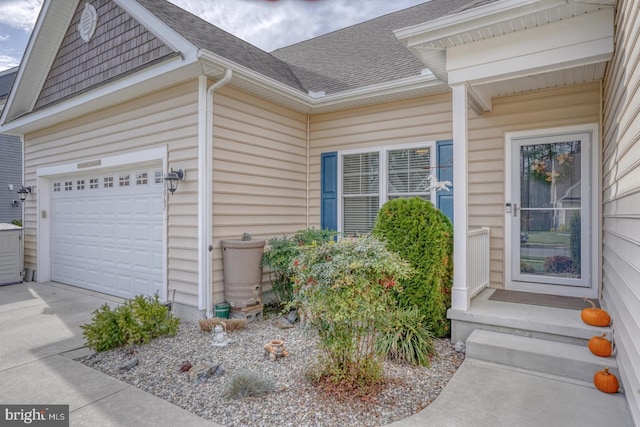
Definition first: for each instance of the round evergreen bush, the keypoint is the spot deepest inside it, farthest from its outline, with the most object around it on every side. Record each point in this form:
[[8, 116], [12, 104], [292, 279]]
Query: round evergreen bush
[[423, 236]]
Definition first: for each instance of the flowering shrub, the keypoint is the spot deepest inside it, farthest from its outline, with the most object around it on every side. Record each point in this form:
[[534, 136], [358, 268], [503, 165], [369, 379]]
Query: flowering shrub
[[280, 253], [344, 288]]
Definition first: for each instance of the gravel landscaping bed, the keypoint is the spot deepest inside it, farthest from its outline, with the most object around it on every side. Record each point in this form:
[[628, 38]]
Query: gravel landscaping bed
[[296, 402]]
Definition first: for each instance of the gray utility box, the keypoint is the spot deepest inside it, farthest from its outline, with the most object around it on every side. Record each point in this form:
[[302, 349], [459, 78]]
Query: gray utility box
[[10, 254]]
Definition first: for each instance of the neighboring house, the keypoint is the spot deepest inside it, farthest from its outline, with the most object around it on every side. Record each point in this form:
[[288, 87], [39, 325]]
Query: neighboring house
[[10, 160], [528, 106]]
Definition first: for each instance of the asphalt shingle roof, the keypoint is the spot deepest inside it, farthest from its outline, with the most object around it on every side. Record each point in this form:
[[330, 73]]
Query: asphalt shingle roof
[[356, 56], [6, 81], [363, 54], [207, 36]]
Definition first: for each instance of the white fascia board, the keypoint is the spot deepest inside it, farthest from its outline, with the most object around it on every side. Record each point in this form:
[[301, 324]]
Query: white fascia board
[[585, 39], [393, 86], [160, 29], [161, 75], [310, 102], [38, 57], [475, 18]]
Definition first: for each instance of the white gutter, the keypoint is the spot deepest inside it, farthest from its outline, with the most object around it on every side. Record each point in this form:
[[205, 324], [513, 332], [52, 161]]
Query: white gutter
[[205, 190], [252, 77]]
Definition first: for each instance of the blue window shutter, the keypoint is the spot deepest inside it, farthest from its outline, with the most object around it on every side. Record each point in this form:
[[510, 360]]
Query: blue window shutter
[[329, 190], [444, 161]]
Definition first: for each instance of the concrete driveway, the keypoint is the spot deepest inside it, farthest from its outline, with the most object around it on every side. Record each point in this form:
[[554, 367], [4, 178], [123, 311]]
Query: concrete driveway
[[39, 337]]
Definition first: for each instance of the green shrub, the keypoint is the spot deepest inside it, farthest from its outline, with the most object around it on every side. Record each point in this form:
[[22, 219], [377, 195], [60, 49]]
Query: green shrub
[[137, 321], [423, 236], [343, 288], [280, 253], [17, 222], [408, 340]]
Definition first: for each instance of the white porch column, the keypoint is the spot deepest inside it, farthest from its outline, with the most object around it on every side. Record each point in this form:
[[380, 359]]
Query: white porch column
[[460, 294]]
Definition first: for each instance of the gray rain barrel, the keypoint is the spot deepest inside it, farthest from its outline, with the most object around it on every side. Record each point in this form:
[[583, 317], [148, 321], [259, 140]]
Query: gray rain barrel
[[242, 271]]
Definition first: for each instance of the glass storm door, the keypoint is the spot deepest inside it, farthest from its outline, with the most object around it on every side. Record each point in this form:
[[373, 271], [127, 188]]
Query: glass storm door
[[550, 217]]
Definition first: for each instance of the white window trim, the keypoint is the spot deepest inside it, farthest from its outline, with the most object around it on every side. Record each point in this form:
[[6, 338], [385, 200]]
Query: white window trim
[[382, 163]]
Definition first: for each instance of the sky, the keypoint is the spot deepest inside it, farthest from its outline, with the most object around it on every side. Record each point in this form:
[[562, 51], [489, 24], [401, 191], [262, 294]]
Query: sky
[[267, 24]]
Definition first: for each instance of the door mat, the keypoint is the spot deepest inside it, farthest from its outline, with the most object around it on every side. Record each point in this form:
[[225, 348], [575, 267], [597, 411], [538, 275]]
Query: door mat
[[556, 301]]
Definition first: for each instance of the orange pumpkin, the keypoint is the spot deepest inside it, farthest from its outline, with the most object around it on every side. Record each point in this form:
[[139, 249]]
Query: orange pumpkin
[[600, 346], [606, 381], [594, 316]]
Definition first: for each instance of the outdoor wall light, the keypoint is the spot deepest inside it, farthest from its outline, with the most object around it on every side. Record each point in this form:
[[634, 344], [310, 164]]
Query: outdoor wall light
[[23, 193], [172, 179]]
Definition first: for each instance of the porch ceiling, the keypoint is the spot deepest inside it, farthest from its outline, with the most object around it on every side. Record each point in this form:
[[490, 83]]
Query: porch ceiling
[[514, 46]]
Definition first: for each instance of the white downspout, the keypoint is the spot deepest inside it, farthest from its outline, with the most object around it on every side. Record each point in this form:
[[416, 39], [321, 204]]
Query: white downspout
[[308, 174], [205, 192]]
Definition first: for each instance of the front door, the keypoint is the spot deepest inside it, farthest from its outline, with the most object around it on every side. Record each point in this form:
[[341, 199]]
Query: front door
[[549, 211]]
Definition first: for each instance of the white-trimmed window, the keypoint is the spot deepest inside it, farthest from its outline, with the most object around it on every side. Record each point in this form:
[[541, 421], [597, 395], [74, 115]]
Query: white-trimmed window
[[369, 178], [80, 184], [93, 183]]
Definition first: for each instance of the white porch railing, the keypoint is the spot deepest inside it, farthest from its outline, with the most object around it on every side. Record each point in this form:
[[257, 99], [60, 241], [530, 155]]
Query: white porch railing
[[478, 263]]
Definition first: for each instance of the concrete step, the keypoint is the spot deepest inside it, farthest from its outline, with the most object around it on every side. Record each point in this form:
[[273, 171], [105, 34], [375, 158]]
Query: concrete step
[[570, 361], [548, 323]]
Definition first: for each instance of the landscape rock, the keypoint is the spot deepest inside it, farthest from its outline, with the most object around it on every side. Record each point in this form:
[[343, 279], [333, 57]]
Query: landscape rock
[[283, 323], [129, 364], [203, 370]]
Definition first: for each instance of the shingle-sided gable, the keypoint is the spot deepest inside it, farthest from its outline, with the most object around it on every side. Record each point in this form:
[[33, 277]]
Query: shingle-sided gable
[[120, 46], [366, 53]]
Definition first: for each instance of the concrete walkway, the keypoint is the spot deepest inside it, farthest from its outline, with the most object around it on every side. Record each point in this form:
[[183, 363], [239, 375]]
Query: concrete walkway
[[40, 336]]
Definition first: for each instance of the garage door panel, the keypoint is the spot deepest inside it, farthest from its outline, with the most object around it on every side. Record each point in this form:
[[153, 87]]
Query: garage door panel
[[108, 237]]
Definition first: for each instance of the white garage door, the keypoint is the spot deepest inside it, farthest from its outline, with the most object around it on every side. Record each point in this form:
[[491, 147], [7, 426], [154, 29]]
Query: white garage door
[[107, 231]]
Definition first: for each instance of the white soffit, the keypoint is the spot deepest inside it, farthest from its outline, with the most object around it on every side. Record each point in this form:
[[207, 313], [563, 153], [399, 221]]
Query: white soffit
[[583, 40], [471, 32]]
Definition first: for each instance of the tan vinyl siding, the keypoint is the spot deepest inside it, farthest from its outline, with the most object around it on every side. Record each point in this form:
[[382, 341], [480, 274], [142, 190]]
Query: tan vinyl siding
[[429, 119], [532, 110], [167, 118], [417, 120], [259, 172], [621, 198]]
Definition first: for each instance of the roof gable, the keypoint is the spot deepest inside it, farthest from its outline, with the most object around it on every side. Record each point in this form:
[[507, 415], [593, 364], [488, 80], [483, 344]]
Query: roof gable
[[119, 46]]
